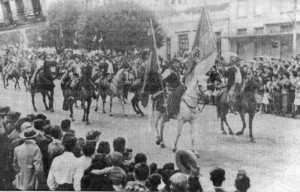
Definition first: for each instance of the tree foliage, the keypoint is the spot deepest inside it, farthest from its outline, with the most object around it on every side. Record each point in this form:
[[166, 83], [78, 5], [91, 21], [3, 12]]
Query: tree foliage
[[122, 25]]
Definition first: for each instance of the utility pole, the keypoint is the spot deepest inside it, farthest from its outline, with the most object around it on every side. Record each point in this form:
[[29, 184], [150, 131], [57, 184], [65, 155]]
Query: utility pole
[[294, 29]]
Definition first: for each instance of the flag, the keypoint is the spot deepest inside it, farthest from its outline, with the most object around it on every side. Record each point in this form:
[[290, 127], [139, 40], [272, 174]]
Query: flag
[[151, 67], [95, 38], [75, 38], [61, 34], [204, 50], [100, 39], [39, 36]]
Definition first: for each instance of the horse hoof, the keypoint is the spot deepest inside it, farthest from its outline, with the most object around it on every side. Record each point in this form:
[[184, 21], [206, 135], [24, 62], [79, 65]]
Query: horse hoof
[[87, 123], [231, 133], [111, 115], [83, 120], [252, 140], [239, 133], [157, 141], [224, 133], [35, 110], [142, 114], [162, 145], [125, 115], [47, 109], [52, 110], [73, 120], [174, 150], [103, 112]]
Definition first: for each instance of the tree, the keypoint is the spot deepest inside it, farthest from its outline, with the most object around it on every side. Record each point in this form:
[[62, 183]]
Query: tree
[[123, 26]]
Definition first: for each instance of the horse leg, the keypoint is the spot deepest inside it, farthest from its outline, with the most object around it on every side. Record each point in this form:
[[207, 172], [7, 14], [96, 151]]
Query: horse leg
[[179, 128], [138, 107], [110, 105], [123, 106], [84, 110], [33, 101], [242, 114], [162, 126], [157, 117], [192, 133], [133, 103], [70, 103], [51, 100], [229, 128], [222, 125], [103, 103], [18, 83], [89, 102], [251, 117], [97, 100], [44, 101]]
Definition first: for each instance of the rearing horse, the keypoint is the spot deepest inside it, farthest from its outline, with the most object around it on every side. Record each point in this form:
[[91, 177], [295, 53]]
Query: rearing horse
[[246, 103]]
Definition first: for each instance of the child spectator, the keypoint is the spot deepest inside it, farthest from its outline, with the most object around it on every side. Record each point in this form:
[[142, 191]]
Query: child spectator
[[153, 182], [119, 145], [140, 158], [103, 148]]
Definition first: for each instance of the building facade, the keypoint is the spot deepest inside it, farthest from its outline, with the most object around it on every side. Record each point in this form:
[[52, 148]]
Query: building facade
[[19, 12], [247, 27]]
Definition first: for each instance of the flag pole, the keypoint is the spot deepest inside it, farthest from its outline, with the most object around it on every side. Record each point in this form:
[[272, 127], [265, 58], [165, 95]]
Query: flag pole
[[161, 83]]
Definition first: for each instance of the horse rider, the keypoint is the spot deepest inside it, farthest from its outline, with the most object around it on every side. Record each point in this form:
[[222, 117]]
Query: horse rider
[[232, 81], [39, 64]]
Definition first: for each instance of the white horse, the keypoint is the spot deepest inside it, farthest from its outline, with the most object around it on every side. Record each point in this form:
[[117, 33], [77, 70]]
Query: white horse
[[189, 109], [113, 89]]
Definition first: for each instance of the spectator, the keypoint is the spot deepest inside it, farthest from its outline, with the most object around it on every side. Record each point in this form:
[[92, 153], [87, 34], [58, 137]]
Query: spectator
[[141, 174], [217, 176], [79, 145], [140, 158], [29, 165], [285, 84], [83, 163], [62, 171], [115, 172], [153, 182], [194, 184], [166, 175], [119, 145], [179, 182], [40, 116], [94, 136], [103, 148], [66, 127], [242, 181], [153, 168], [55, 148], [91, 182]]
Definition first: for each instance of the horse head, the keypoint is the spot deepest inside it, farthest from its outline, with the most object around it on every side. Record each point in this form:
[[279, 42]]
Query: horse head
[[75, 83], [50, 67]]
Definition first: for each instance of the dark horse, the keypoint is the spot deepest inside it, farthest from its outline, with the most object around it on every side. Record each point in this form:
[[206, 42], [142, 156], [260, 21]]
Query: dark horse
[[43, 84], [246, 103], [81, 89]]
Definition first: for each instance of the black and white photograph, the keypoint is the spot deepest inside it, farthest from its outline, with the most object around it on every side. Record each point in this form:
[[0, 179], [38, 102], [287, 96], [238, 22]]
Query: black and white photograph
[[150, 95]]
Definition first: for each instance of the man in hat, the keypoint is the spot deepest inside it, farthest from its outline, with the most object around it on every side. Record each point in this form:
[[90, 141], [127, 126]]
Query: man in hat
[[232, 80], [29, 165]]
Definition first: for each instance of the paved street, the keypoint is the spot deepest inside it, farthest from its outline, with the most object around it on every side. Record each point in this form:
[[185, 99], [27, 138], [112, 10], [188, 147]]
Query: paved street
[[271, 163]]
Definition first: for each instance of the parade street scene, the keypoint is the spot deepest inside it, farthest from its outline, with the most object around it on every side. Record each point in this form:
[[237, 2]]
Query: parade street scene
[[156, 95]]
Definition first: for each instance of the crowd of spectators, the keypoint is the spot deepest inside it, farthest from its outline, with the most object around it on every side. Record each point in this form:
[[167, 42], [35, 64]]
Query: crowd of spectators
[[36, 155], [278, 92]]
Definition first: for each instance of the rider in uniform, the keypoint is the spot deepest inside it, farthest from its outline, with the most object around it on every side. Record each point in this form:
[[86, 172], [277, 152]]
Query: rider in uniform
[[232, 81], [39, 65]]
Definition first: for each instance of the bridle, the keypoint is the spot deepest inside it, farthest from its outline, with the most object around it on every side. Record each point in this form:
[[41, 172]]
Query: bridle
[[199, 109]]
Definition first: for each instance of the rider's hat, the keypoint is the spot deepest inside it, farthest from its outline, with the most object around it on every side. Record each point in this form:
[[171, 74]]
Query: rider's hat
[[186, 161]]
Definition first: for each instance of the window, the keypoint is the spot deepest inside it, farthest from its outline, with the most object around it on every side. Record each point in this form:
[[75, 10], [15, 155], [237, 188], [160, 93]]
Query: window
[[241, 9], [242, 31], [273, 29], [286, 28], [183, 40], [258, 31]]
